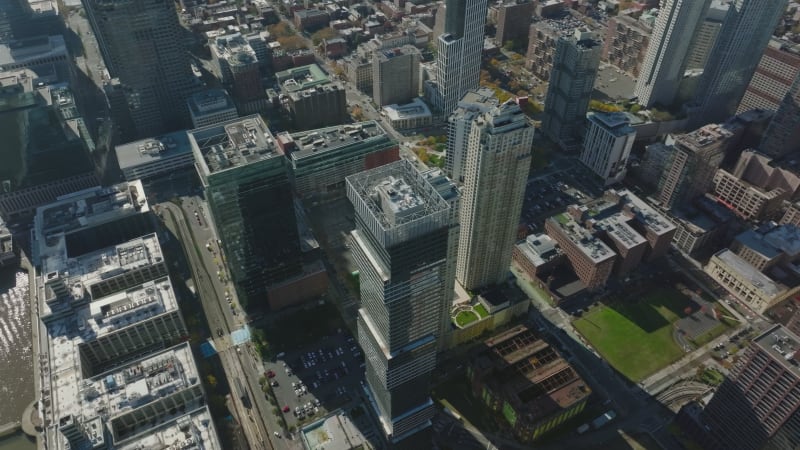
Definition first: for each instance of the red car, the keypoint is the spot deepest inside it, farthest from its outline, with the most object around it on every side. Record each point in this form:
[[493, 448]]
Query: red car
[[286, 409], [270, 374]]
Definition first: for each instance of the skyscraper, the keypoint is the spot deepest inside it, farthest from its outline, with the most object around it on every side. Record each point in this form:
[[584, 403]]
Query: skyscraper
[[691, 166], [575, 67], [474, 103], [495, 175], [666, 58], [247, 186], [758, 406], [458, 56], [607, 145], [143, 46], [400, 245], [783, 133], [745, 33]]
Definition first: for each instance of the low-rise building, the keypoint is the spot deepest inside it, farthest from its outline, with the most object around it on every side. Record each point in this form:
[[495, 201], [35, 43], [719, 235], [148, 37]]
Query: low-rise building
[[46, 56], [210, 107], [523, 378], [755, 189], [700, 226], [745, 282], [415, 114], [538, 254], [321, 159], [148, 158], [614, 233]]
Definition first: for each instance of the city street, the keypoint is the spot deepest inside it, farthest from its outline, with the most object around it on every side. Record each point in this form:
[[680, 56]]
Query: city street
[[238, 362]]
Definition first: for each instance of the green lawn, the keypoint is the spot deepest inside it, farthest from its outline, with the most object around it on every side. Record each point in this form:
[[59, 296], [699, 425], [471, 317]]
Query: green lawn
[[635, 335], [465, 317], [481, 310]]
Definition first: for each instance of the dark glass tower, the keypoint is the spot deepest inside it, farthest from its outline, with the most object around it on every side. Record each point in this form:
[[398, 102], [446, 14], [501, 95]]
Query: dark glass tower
[[400, 244]]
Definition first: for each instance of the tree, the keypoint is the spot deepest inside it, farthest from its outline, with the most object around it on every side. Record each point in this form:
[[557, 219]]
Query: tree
[[290, 43], [212, 381], [325, 33], [508, 45]]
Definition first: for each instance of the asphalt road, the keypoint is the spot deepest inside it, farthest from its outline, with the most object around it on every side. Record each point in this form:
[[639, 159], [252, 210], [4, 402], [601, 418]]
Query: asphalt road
[[256, 418]]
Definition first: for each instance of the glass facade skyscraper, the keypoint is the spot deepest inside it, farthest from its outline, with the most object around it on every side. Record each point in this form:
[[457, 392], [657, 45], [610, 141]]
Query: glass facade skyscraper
[[401, 245]]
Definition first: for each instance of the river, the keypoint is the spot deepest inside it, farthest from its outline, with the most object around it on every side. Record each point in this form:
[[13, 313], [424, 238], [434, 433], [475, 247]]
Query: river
[[16, 357]]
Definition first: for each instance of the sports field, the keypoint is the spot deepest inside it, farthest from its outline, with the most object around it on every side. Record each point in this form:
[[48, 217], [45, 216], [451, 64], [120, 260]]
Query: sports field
[[635, 334]]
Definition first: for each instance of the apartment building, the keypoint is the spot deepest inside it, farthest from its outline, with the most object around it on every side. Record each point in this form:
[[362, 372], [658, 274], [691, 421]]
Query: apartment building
[[755, 189], [612, 234], [776, 71], [625, 43]]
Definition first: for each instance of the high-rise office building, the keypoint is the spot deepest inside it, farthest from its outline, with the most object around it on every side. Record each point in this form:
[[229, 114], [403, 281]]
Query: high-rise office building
[[665, 61], [607, 146], [247, 186], [758, 405], [495, 176], [459, 124], [783, 133], [706, 35], [575, 67], [691, 165], [395, 75], [458, 55], [142, 45], [745, 33], [400, 245]]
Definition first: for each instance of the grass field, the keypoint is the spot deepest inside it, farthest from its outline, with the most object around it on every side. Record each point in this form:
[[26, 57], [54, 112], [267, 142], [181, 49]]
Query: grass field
[[635, 335], [465, 317]]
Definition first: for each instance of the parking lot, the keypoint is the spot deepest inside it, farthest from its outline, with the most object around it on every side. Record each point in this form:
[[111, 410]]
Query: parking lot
[[550, 192], [314, 380]]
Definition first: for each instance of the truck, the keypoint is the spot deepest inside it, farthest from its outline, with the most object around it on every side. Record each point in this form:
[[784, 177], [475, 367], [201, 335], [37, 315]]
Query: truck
[[604, 419]]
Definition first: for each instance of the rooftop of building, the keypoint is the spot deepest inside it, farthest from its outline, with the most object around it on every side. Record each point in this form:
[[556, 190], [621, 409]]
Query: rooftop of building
[[153, 149], [233, 144], [79, 274], [414, 109], [703, 137], [23, 50], [539, 248], [761, 174], [443, 185], [583, 239], [396, 194], [390, 53], [771, 241], [336, 431], [96, 401], [782, 345], [210, 102], [502, 118], [304, 13], [616, 123], [234, 48], [323, 140], [530, 374], [303, 77], [298, 94], [762, 282], [89, 207], [613, 213], [481, 99]]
